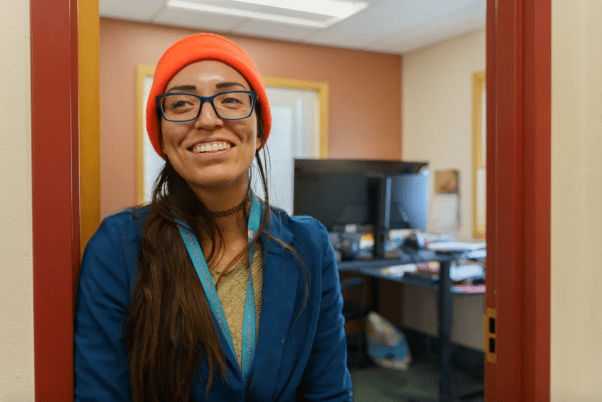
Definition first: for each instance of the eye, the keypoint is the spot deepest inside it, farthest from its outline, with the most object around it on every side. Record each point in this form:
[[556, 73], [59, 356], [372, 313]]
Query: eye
[[177, 102], [231, 99]]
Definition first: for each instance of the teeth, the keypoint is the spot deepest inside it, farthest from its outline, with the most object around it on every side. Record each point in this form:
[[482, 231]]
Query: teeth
[[216, 146]]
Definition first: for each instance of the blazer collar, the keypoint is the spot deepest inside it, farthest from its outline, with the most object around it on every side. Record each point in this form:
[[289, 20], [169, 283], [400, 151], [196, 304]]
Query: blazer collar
[[277, 229]]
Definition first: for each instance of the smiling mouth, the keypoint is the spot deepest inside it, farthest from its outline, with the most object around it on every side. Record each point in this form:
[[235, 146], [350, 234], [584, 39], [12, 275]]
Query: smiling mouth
[[210, 147]]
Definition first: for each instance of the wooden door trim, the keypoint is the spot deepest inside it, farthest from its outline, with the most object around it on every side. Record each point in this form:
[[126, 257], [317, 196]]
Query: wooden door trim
[[55, 192], [89, 114], [518, 189]]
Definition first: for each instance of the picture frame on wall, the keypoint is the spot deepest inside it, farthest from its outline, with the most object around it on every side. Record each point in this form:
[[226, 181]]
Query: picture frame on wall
[[447, 181], [446, 202]]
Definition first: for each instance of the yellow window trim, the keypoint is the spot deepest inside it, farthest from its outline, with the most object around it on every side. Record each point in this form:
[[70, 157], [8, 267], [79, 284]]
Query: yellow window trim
[[478, 84]]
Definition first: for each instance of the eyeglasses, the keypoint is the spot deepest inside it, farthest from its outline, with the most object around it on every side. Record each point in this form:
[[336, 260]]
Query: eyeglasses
[[181, 107]]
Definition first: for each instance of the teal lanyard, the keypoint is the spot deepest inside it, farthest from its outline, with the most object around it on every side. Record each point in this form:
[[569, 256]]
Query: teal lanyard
[[249, 330]]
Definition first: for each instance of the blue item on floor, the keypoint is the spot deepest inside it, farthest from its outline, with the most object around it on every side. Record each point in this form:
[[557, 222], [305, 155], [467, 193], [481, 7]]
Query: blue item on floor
[[387, 345]]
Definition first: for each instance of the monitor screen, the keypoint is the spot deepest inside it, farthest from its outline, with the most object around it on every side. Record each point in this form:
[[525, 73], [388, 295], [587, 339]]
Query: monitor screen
[[410, 200], [334, 199]]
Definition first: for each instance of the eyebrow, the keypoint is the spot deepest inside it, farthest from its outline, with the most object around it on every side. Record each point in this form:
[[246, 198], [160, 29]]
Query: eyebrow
[[192, 88], [185, 88], [227, 84]]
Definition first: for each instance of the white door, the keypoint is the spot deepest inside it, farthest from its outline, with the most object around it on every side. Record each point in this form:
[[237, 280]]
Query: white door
[[295, 134], [152, 163]]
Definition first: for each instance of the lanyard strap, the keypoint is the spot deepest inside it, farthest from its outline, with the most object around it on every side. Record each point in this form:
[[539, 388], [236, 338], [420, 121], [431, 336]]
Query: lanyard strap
[[249, 330]]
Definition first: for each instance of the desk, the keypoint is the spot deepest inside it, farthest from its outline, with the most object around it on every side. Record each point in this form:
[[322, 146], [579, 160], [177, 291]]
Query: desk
[[445, 297]]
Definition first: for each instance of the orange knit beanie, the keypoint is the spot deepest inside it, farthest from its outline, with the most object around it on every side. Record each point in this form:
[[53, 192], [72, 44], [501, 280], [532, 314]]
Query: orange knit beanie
[[200, 47]]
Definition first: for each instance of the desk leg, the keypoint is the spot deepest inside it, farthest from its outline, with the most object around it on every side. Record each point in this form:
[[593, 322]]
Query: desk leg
[[375, 290], [446, 310]]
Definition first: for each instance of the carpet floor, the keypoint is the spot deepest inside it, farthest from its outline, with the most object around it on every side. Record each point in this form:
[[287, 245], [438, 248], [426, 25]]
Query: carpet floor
[[419, 384]]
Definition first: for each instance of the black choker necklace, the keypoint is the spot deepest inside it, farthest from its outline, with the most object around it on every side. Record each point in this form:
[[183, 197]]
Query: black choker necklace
[[230, 211]]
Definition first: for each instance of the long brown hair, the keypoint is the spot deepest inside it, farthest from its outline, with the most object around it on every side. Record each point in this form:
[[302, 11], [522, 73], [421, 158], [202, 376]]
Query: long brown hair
[[170, 331]]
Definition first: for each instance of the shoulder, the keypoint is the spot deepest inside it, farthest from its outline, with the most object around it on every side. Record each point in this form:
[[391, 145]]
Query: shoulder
[[133, 216], [126, 224], [299, 226], [117, 237], [108, 268], [305, 234]]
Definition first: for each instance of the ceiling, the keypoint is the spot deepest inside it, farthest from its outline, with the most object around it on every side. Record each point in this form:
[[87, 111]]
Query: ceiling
[[388, 26]]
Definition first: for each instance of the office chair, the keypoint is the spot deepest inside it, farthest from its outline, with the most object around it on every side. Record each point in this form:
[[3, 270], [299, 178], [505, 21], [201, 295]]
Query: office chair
[[355, 317]]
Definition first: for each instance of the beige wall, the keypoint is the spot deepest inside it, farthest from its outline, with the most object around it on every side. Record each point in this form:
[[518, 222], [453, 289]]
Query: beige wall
[[16, 268], [437, 127], [576, 321], [437, 111], [364, 87]]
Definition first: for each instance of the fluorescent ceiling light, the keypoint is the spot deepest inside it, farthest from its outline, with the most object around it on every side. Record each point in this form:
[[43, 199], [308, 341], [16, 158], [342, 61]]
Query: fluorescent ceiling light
[[333, 10]]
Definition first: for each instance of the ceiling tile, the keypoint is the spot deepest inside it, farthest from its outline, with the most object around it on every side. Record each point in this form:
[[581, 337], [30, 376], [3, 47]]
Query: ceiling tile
[[271, 30], [370, 24], [437, 8], [468, 19], [136, 10], [392, 26], [198, 20]]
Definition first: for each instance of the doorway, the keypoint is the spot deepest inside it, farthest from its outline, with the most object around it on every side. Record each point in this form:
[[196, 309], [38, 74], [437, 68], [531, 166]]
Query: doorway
[[518, 247]]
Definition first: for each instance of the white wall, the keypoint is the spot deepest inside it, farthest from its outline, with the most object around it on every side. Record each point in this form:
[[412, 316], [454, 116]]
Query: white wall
[[16, 268], [576, 260], [437, 127]]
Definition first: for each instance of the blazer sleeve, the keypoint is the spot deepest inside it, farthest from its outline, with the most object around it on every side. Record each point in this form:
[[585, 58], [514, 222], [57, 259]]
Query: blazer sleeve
[[101, 366], [326, 377]]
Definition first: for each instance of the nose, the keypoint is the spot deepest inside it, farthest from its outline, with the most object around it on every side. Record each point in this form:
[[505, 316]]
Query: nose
[[208, 118]]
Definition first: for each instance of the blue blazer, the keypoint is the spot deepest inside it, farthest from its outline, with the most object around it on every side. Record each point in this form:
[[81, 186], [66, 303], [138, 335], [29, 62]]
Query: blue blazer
[[294, 361]]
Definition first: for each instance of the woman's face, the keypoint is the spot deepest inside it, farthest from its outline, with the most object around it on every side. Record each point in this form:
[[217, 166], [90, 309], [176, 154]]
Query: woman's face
[[182, 142]]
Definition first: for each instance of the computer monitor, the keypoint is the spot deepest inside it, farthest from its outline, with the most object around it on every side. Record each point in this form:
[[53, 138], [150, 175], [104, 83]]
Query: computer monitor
[[335, 199], [384, 194]]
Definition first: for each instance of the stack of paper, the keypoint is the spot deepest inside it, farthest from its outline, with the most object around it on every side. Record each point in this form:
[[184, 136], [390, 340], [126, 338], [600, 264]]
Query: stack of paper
[[398, 270], [448, 246]]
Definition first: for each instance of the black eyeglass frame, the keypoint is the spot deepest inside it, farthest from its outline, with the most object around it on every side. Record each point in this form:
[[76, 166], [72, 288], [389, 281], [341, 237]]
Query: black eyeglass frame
[[204, 99]]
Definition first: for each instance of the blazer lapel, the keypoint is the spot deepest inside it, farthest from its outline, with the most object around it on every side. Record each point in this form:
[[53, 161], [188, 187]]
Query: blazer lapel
[[280, 287], [231, 359]]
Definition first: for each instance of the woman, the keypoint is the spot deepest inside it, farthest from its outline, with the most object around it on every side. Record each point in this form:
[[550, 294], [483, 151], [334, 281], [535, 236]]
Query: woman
[[209, 293]]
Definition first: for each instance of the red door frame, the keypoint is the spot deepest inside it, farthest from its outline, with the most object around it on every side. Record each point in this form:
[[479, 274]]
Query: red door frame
[[518, 205], [55, 192], [518, 197]]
